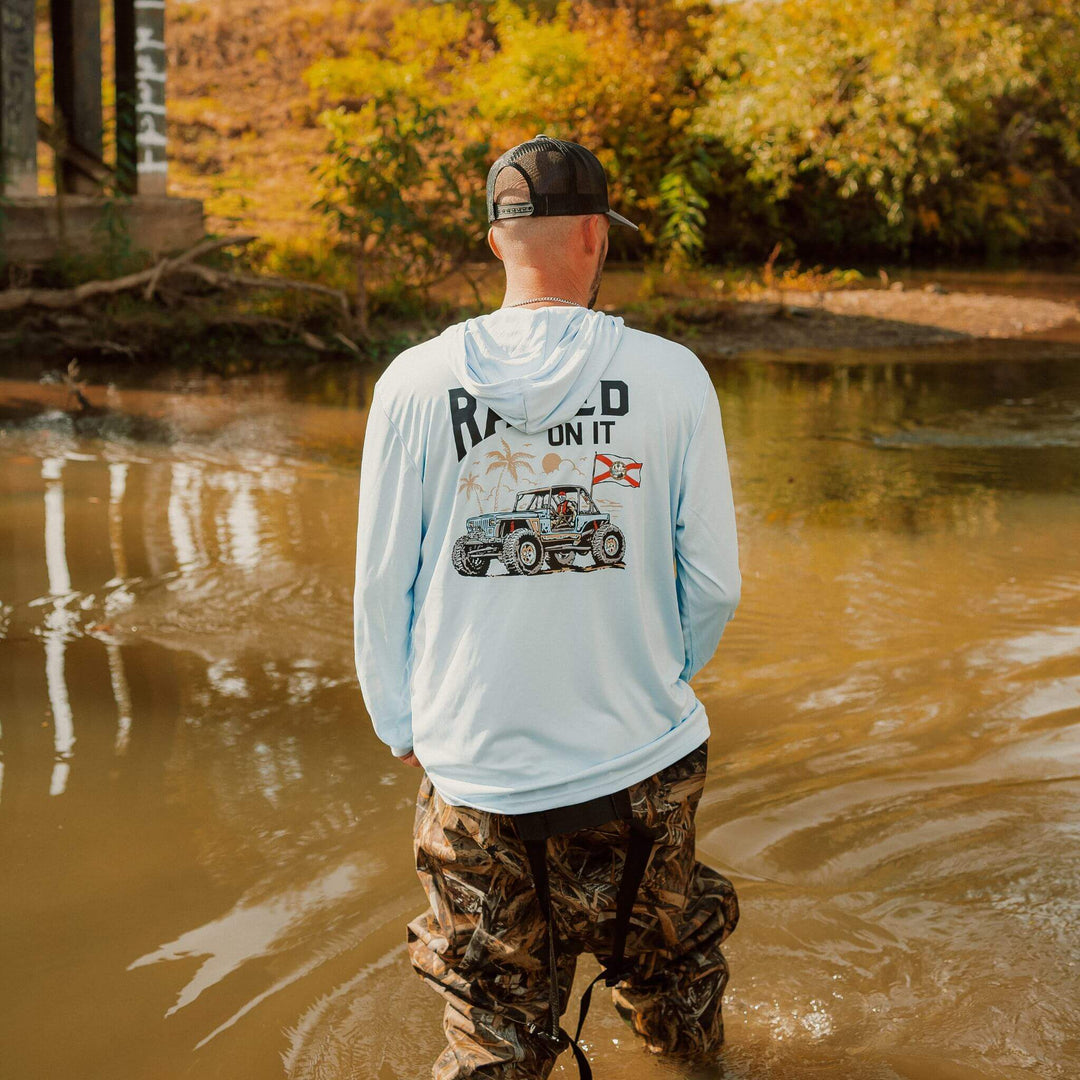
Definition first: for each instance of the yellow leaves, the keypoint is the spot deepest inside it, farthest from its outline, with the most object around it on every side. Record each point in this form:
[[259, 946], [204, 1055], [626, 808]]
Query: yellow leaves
[[423, 32], [889, 106], [534, 67]]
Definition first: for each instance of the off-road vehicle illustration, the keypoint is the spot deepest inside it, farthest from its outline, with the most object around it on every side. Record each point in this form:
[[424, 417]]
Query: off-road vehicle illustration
[[553, 524]]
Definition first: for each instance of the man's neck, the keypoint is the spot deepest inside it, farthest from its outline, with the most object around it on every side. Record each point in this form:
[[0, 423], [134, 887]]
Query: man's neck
[[541, 301], [550, 287]]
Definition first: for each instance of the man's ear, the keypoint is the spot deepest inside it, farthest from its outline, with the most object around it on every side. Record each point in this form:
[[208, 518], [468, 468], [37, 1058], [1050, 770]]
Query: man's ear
[[592, 232], [493, 243]]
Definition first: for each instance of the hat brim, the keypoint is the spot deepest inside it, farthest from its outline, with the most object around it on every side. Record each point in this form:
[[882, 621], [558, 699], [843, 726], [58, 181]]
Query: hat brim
[[621, 220]]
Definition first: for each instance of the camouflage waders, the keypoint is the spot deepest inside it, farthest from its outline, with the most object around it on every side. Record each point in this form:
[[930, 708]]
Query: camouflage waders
[[482, 944]]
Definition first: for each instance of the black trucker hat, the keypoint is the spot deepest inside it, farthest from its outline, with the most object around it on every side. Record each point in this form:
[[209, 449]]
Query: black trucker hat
[[563, 178]]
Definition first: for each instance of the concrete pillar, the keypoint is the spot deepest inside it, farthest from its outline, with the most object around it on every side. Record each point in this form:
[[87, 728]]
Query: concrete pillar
[[18, 108], [76, 37], [150, 106], [127, 95]]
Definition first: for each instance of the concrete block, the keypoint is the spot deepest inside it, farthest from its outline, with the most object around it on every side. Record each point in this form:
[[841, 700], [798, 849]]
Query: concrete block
[[160, 224]]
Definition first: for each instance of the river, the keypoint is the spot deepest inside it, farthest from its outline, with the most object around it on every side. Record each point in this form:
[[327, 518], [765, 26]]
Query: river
[[205, 854]]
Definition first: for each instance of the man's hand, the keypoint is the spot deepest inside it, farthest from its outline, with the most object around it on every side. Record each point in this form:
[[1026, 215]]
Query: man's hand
[[410, 759]]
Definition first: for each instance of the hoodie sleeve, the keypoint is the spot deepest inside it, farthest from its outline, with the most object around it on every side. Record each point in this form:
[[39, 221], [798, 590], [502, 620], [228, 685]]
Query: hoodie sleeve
[[388, 540], [707, 579]]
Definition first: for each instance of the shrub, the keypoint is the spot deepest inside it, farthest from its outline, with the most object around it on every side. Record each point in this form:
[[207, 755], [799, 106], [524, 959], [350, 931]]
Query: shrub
[[883, 126], [853, 128]]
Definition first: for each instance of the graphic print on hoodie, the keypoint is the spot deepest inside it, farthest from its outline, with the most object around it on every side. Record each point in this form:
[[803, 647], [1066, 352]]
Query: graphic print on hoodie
[[538, 518], [530, 480], [544, 528]]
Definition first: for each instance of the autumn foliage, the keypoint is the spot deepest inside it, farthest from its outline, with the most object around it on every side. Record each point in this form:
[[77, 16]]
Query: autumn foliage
[[842, 128]]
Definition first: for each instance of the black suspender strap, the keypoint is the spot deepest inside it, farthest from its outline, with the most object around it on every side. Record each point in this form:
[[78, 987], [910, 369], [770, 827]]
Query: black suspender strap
[[537, 852], [615, 966], [534, 830]]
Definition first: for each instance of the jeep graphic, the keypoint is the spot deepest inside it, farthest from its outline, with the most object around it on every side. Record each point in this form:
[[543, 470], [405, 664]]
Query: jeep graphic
[[553, 524]]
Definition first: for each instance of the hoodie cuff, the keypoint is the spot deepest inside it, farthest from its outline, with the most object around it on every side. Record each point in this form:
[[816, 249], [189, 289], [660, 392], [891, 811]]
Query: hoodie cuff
[[400, 751]]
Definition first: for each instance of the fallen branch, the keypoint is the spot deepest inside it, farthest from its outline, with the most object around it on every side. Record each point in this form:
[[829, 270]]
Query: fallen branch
[[220, 277], [13, 299], [187, 257]]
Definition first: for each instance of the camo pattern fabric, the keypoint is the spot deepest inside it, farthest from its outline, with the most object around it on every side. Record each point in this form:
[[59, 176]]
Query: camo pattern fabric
[[482, 942]]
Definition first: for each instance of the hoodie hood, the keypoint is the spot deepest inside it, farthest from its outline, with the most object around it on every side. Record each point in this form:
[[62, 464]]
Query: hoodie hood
[[534, 367]]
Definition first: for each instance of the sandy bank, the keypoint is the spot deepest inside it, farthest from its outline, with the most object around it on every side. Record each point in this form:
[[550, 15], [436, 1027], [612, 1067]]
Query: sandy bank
[[866, 319]]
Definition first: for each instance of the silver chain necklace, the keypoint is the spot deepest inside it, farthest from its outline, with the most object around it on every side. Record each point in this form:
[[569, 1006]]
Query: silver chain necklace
[[537, 299]]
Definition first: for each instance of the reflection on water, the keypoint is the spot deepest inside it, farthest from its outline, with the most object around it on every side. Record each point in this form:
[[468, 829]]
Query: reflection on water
[[206, 853]]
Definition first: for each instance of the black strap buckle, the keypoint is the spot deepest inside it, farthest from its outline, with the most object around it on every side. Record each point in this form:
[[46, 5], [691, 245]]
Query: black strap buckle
[[557, 1041], [615, 970]]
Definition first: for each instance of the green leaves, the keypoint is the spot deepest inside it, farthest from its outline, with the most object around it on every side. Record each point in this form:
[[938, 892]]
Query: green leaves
[[841, 127], [683, 204], [894, 118]]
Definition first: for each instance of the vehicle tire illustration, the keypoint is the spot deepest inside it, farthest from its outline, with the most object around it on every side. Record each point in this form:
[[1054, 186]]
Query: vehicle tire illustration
[[556, 560], [523, 553], [608, 545], [464, 563]]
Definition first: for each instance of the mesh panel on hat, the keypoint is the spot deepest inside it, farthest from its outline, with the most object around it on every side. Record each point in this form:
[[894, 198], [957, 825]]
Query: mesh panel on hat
[[589, 172], [546, 167], [511, 186]]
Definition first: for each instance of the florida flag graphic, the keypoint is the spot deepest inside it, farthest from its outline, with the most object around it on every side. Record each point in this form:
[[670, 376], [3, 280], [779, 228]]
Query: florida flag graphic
[[620, 470]]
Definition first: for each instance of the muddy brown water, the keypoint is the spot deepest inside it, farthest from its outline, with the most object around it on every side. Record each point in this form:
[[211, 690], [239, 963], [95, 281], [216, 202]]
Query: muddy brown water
[[205, 861]]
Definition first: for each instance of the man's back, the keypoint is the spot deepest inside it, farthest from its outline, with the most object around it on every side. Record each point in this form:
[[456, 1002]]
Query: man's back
[[530, 479]]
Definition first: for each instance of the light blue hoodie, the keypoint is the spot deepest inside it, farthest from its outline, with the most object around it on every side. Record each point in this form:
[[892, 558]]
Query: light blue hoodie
[[546, 555]]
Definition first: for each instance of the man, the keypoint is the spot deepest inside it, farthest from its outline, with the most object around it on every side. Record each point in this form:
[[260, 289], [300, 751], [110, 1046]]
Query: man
[[528, 667]]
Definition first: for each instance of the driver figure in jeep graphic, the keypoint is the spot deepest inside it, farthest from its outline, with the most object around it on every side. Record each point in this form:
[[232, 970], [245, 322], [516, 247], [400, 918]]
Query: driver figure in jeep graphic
[[551, 524]]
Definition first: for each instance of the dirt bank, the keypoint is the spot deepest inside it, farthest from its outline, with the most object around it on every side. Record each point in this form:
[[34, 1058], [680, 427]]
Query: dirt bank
[[792, 325], [863, 319]]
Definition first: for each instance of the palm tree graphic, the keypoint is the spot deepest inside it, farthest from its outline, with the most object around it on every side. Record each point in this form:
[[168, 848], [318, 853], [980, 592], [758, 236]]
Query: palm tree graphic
[[508, 461], [470, 487]]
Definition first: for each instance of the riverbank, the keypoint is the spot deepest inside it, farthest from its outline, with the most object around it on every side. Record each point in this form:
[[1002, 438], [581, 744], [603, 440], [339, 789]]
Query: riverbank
[[877, 319], [232, 335]]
